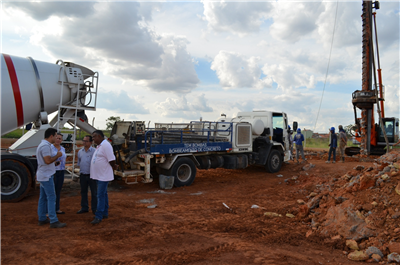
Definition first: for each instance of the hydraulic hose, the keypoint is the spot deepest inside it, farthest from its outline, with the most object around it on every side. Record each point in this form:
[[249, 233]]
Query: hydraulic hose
[[140, 151]]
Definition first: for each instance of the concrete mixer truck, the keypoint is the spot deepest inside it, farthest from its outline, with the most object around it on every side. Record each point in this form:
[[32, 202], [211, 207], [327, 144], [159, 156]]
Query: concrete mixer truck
[[178, 149], [30, 91]]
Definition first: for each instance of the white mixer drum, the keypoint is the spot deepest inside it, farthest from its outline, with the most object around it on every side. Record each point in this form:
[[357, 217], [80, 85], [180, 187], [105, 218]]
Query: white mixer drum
[[23, 81]]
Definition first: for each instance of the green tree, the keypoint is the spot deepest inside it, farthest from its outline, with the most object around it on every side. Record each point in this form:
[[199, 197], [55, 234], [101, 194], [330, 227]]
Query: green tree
[[110, 122]]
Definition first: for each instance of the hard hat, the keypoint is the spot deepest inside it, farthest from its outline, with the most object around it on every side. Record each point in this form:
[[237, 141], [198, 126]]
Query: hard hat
[[288, 127], [340, 127], [298, 130], [333, 129]]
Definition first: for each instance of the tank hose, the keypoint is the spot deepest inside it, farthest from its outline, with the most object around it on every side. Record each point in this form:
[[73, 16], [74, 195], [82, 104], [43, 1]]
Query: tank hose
[[140, 151]]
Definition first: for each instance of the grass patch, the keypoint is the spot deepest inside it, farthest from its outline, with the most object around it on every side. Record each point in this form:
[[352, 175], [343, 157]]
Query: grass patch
[[14, 134], [321, 143], [79, 134]]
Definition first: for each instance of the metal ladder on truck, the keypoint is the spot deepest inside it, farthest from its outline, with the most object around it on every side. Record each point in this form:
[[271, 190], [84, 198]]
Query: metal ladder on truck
[[72, 112]]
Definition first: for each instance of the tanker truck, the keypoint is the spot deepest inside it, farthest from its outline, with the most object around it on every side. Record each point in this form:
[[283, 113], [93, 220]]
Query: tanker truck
[[178, 149], [30, 91]]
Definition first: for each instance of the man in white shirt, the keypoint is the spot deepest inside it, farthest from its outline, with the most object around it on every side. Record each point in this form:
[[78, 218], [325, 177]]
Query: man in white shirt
[[102, 169], [45, 176]]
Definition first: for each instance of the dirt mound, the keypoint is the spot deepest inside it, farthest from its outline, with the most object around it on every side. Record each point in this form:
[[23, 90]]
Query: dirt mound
[[362, 205]]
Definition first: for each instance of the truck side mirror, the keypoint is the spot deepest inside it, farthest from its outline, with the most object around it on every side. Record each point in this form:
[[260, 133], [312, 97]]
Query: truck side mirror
[[295, 125]]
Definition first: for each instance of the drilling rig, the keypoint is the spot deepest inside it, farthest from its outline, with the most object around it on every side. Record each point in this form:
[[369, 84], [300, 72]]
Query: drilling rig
[[373, 138]]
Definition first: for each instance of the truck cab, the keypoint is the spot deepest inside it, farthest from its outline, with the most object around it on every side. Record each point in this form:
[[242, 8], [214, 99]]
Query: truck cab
[[392, 131], [273, 125]]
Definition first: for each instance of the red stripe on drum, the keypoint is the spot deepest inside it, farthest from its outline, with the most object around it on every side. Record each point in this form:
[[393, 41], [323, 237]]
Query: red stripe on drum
[[15, 86]]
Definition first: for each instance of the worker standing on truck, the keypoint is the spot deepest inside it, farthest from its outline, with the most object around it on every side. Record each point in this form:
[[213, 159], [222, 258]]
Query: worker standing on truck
[[84, 159], [60, 167], [342, 142], [45, 176], [299, 139], [101, 169], [332, 146]]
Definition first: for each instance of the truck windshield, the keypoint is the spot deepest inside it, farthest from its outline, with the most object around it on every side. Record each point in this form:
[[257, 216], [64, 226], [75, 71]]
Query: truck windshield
[[277, 121]]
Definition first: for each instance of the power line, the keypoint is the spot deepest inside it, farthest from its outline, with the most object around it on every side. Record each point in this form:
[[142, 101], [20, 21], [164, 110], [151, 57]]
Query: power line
[[329, 60]]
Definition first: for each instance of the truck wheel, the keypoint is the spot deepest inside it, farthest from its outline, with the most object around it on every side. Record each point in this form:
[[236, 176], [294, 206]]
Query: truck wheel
[[15, 180], [351, 151], [274, 162], [184, 171]]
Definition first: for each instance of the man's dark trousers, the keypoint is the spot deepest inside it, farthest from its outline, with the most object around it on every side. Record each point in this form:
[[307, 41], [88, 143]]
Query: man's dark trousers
[[87, 182]]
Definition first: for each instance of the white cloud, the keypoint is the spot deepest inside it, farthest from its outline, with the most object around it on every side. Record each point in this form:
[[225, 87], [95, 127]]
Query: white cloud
[[43, 10], [293, 21], [237, 71], [176, 73], [121, 102], [146, 53], [288, 76], [114, 37], [392, 100], [240, 18], [180, 107]]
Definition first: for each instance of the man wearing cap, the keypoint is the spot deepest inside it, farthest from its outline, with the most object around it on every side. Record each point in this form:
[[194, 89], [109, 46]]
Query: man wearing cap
[[342, 142], [332, 146]]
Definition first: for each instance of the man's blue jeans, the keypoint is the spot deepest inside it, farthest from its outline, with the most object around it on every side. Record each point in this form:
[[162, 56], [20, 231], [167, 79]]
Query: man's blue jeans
[[102, 199], [47, 201], [332, 150]]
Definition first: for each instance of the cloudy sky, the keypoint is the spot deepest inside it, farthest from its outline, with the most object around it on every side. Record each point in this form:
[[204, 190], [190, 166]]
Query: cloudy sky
[[182, 60]]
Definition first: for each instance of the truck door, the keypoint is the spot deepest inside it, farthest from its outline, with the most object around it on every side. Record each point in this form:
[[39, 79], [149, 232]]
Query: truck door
[[278, 126], [280, 132], [285, 133]]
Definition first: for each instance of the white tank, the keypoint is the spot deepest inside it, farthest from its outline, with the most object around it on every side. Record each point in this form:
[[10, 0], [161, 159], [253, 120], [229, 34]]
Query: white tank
[[23, 81], [257, 125]]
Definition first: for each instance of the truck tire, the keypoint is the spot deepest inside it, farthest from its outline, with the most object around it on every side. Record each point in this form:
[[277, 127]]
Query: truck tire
[[351, 151], [184, 172], [16, 180], [274, 162]]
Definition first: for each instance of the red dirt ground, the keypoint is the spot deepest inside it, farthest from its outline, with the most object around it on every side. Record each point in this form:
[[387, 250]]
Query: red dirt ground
[[190, 225]]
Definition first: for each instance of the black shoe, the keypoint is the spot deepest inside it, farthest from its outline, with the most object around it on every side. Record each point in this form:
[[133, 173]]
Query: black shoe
[[105, 216], [44, 222], [95, 221], [82, 211], [57, 225]]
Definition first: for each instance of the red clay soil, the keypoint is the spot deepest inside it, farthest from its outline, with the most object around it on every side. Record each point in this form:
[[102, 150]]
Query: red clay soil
[[189, 225]]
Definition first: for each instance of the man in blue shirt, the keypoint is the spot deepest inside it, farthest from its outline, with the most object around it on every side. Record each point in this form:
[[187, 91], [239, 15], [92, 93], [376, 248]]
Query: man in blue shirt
[[84, 158], [332, 146], [298, 140], [45, 176]]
